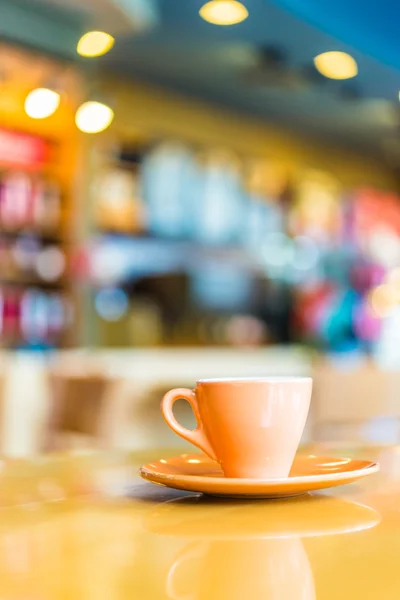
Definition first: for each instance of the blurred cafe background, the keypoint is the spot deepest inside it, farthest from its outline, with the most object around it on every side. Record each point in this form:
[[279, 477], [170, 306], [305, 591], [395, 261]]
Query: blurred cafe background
[[192, 189]]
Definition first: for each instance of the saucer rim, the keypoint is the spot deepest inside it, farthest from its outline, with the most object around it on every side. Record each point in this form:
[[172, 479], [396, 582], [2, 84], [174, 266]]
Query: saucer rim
[[369, 468]]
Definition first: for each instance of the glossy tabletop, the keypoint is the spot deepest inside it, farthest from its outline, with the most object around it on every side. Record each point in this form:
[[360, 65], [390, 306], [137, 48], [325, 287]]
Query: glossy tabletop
[[85, 526]]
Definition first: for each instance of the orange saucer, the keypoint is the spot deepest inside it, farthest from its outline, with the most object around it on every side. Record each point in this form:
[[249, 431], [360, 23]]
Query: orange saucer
[[198, 473]]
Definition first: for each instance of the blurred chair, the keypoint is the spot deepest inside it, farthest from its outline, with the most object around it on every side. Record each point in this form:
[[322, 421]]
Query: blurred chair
[[79, 410], [355, 404], [147, 426]]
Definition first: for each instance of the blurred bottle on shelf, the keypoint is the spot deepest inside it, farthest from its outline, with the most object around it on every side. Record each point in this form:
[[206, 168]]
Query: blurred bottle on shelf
[[264, 183], [50, 263], [24, 251], [118, 206], [15, 200], [245, 331], [217, 286], [11, 317], [7, 263], [30, 203], [24, 259], [145, 323], [316, 211], [31, 316], [220, 202], [57, 317], [170, 187], [46, 205]]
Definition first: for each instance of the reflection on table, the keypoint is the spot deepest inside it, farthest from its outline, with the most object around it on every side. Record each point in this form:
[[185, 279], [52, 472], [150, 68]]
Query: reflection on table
[[85, 525]]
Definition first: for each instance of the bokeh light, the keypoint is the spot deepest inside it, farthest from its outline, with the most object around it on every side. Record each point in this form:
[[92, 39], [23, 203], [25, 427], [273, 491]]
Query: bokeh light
[[50, 263], [95, 43], [41, 103], [306, 253], [224, 12], [393, 279], [382, 300], [384, 246], [277, 250], [111, 304], [336, 65], [93, 117]]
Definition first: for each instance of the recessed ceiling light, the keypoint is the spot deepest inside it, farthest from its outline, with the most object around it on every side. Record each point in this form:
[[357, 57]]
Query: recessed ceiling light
[[224, 12], [95, 43], [336, 65], [41, 103], [93, 117]]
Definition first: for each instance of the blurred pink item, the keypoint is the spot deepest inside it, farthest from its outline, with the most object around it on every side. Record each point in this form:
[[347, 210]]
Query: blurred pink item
[[366, 326], [23, 150], [15, 200], [245, 331]]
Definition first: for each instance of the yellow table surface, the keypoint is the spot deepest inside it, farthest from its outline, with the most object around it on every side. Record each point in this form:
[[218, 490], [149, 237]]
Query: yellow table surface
[[86, 527]]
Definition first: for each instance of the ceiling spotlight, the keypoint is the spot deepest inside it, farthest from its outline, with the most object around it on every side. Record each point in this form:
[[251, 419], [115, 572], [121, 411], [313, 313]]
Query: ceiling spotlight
[[224, 12], [93, 117], [95, 43], [41, 103], [336, 65]]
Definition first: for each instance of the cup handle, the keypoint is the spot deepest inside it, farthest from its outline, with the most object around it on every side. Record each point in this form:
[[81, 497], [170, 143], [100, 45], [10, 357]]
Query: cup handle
[[197, 436]]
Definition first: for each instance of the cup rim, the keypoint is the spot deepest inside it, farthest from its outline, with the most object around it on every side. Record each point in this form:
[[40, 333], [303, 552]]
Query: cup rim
[[267, 379]]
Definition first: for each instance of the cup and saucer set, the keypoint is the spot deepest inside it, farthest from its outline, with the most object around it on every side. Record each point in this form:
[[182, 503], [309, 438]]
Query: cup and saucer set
[[249, 430]]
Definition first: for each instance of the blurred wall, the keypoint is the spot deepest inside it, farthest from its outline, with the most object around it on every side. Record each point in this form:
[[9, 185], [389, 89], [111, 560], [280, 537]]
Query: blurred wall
[[143, 111]]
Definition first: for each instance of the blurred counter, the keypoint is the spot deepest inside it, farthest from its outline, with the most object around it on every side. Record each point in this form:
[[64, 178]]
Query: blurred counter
[[86, 526], [139, 378]]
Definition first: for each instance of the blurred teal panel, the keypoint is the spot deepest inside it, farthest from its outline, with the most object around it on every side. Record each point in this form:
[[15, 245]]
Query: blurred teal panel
[[371, 26], [142, 14], [44, 28]]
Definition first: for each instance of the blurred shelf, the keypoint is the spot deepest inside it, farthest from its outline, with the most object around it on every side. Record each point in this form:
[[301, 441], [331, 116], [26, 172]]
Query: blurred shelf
[[142, 256], [148, 238], [30, 282], [49, 237], [126, 235]]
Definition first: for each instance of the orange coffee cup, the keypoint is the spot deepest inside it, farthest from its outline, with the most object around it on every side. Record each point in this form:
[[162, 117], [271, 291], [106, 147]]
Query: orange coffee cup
[[251, 426]]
